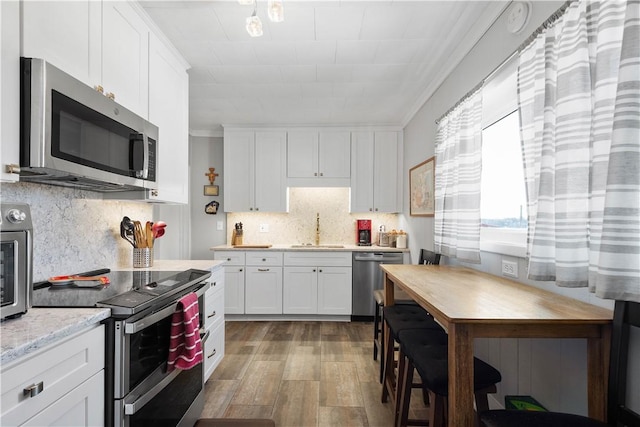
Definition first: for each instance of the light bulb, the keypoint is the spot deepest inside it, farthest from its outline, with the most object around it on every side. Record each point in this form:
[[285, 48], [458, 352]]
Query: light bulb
[[254, 26], [276, 10]]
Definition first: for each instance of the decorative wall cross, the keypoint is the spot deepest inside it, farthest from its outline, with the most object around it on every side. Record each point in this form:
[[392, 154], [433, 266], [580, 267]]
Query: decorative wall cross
[[211, 190], [212, 175]]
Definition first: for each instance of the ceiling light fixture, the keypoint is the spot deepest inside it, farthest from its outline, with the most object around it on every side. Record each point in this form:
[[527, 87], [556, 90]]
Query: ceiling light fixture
[[275, 10], [254, 25]]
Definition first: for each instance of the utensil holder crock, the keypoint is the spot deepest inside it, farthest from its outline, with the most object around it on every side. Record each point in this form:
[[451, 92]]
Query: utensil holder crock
[[142, 257]]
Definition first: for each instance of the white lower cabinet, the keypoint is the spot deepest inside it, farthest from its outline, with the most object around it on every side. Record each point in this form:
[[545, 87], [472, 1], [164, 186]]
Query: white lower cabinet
[[70, 378], [263, 290], [317, 283], [300, 290], [214, 322], [233, 280], [334, 290]]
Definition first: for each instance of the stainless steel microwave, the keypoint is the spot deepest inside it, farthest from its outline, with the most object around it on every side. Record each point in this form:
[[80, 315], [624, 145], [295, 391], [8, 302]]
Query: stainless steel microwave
[[71, 135]]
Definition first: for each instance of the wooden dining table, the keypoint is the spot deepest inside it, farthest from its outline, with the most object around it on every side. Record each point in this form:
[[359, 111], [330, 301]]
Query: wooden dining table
[[472, 304]]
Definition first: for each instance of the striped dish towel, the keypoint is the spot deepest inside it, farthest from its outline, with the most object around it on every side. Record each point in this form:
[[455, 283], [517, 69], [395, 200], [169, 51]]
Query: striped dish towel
[[185, 347]]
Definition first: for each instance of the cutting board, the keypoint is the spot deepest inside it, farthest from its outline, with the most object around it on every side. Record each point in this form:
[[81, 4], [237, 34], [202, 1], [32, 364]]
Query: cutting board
[[252, 246]]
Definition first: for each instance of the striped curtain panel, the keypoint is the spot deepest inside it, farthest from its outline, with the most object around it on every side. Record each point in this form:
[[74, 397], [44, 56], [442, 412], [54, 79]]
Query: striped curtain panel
[[579, 103], [457, 183]]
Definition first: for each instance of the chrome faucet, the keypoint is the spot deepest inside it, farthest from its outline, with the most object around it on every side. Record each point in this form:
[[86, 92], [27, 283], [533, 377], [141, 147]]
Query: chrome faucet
[[317, 229]]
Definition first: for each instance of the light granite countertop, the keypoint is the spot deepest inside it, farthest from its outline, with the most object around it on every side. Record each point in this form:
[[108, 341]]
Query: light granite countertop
[[320, 248], [39, 327], [42, 326]]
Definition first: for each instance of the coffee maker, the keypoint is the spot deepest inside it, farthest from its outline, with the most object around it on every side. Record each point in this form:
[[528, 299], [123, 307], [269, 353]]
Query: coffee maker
[[364, 232]]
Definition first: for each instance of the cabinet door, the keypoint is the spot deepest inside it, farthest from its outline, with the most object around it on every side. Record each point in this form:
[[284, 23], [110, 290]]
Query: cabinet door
[[238, 171], [386, 193], [302, 154], [334, 152], [270, 174], [300, 290], [125, 56], [263, 290], [334, 290], [9, 88], [82, 406], [67, 34], [234, 290], [362, 160], [169, 110]]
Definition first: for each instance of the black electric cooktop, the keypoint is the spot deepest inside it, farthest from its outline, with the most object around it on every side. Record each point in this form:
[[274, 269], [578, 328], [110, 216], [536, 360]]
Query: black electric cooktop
[[128, 293]]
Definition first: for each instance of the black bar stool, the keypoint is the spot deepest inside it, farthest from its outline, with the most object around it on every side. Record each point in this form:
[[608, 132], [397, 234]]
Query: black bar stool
[[430, 359], [400, 318]]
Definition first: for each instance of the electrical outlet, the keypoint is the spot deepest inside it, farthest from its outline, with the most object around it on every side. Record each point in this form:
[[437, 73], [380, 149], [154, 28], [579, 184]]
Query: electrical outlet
[[509, 268], [264, 228], [219, 226]]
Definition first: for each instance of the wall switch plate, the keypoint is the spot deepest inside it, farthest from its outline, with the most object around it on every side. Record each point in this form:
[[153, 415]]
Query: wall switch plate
[[264, 228], [509, 268], [219, 226]]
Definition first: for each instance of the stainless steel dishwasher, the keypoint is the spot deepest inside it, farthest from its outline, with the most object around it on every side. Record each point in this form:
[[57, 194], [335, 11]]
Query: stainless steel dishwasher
[[367, 277]]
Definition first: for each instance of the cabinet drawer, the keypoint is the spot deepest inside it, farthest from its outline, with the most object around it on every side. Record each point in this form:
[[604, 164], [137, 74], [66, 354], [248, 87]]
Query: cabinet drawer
[[213, 350], [264, 258], [216, 280], [214, 307], [310, 258], [83, 406], [60, 368], [232, 257]]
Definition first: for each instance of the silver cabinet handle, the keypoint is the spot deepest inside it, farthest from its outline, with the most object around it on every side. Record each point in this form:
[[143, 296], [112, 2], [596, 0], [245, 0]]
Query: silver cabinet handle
[[213, 353], [263, 269], [211, 315], [33, 390]]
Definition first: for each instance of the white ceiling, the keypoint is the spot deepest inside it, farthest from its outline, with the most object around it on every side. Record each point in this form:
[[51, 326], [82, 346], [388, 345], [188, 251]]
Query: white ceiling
[[329, 63]]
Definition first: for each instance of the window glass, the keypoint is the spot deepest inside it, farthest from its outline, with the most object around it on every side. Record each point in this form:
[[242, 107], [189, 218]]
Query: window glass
[[503, 198], [503, 207]]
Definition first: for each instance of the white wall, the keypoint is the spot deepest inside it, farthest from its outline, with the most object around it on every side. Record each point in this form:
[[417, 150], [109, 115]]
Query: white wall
[[552, 371], [205, 153]]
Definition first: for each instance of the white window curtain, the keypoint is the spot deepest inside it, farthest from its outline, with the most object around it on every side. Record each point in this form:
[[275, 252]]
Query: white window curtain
[[457, 183], [579, 103]]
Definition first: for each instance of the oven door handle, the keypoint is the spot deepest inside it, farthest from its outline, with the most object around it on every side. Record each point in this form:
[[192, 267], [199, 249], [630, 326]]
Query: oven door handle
[[132, 328], [132, 408]]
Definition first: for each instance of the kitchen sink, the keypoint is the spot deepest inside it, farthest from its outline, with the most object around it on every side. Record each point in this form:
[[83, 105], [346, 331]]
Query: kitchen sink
[[318, 246]]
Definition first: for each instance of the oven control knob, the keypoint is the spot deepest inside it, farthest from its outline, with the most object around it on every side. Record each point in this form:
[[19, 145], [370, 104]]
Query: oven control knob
[[16, 216]]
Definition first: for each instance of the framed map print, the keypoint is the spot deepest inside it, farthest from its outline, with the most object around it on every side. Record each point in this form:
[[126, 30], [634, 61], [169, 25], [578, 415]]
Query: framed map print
[[422, 188]]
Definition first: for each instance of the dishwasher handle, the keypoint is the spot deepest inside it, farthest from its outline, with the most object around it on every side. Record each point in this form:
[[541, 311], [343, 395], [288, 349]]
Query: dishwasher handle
[[379, 257]]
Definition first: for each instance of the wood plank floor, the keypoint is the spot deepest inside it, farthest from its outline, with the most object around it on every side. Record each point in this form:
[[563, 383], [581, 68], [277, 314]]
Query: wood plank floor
[[301, 374]]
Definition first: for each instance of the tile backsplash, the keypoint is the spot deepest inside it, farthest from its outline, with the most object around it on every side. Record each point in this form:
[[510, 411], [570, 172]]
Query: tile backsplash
[[75, 230], [298, 226]]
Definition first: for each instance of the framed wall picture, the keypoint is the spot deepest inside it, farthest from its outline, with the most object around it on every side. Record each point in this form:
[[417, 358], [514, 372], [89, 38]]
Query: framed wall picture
[[422, 188]]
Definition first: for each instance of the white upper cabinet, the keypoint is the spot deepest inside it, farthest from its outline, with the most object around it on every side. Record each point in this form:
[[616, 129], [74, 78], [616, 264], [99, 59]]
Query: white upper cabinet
[[169, 110], [9, 89], [376, 181], [318, 158], [254, 172], [125, 56], [99, 43]]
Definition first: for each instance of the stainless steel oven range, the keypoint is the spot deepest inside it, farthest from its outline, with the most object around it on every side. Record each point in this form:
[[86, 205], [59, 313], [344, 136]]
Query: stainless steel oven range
[[139, 391], [16, 253]]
